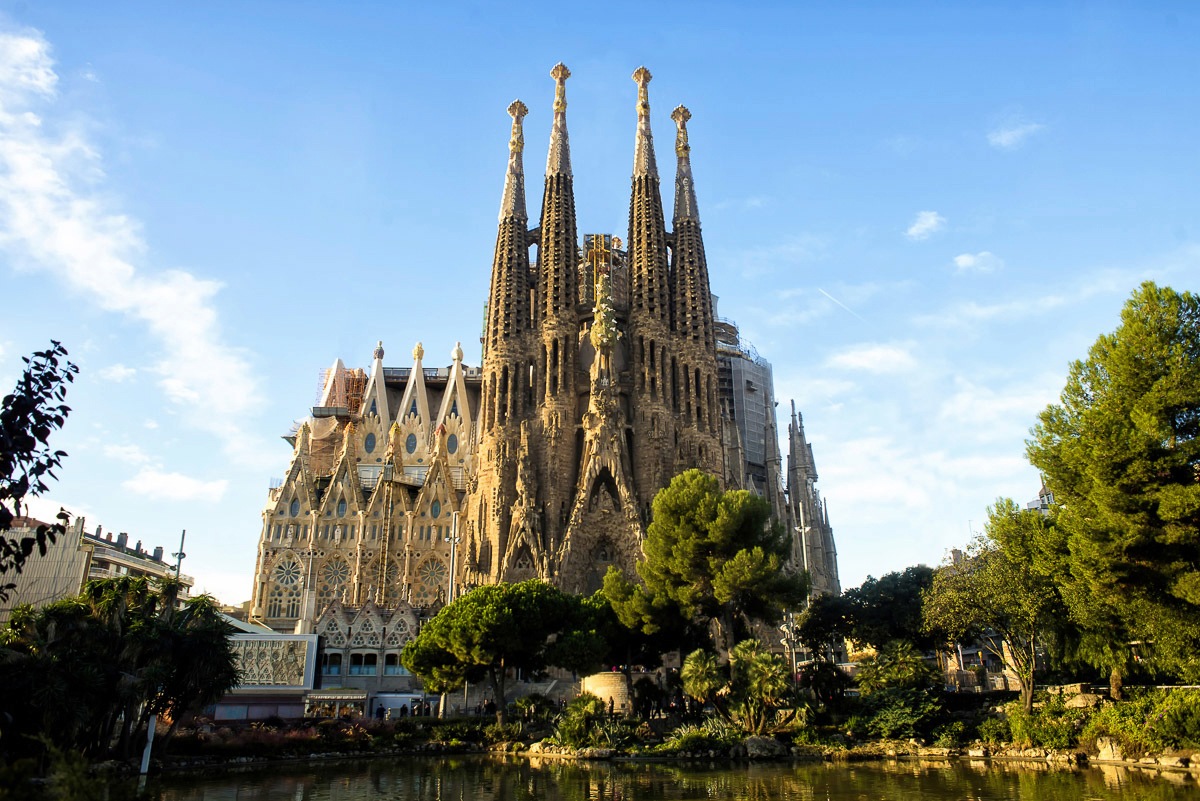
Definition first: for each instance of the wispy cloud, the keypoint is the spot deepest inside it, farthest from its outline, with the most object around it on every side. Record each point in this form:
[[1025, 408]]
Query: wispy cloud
[[925, 225], [116, 373], [130, 454], [54, 219], [982, 262], [769, 259], [157, 485], [741, 203], [1012, 135], [874, 358]]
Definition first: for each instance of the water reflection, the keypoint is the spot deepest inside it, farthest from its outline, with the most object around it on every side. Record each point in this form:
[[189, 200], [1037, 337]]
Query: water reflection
[[484, 779]]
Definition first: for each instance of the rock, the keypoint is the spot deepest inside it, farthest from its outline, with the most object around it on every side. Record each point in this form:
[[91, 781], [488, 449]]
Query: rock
[[933, 752], [595, 753], [979, 753], [1174, 761], [1084, 701], [536, 748], [764, 748], [1148, 760], [1108, 750]]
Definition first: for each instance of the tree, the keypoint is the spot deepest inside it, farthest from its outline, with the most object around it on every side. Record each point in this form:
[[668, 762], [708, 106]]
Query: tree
[[1121, 454], [481, 635], [28, 416], [712, 558], [85, 669], [1003, 592], [757, 694], [879, 611]]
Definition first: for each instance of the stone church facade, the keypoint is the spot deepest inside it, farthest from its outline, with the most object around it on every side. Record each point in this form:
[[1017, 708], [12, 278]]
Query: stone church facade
[[601, 379]]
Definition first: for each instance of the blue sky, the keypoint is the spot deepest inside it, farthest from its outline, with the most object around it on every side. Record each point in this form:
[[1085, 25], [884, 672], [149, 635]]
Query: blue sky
[[920, 213]]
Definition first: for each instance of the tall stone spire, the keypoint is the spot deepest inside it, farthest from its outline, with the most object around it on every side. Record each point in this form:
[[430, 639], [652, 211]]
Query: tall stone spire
[[557, 247], [512, 203], [507, 356], [508, 303], [691, 301], [694, 390], [556, 351], [654, 367], [558, 161], [685, 190], [508, 314], [647, 229], [643, 153]]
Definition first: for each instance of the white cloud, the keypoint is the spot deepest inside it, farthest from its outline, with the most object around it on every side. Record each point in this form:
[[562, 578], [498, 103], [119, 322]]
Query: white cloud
[[158, 485], [925, 225], [982, 262], [1010, 137], [874, 358], [769, 259], [130, 454], [52, 220], [116, 373]]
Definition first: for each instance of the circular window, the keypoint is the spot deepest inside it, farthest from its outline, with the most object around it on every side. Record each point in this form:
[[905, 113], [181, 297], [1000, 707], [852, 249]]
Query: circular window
[[369, 443], [341, 508], [452, 443], [294, 508], [287, 573], [435, 508], [410, 444]]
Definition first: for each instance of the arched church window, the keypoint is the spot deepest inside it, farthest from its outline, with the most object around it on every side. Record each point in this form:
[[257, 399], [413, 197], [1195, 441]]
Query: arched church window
[[410, 444], [294, 507], [341, 508], [435, 509], [369, 442], [452, 443]]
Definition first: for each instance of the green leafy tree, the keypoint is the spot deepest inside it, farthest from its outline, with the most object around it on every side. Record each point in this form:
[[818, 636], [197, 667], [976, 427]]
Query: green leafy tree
[[1120, 452], [879, 611], [481, 635], [33, 411], [900, 693], [1003, 591], [86, 670], [713, 559], [756, 693]]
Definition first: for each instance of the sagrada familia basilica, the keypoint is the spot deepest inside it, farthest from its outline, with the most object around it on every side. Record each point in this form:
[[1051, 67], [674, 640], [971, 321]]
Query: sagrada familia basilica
[[605, 373]]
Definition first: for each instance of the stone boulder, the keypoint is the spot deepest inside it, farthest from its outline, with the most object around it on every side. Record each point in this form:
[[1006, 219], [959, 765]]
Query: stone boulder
[[1084, 701], [1109, 750], [764, 748]]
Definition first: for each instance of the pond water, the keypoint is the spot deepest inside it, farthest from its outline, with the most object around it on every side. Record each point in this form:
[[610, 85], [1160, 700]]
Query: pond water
[[485, 779]]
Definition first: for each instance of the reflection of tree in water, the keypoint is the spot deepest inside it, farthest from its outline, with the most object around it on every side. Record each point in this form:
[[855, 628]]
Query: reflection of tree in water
[[488, 779]]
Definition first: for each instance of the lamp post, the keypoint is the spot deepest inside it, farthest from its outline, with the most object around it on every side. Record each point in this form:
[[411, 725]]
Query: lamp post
[[790, 639], [453, 540]]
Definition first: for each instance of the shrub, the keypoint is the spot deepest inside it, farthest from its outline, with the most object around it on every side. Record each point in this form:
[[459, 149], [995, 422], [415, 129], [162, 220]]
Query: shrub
[[995, 731], [503, 733], [1148, 722], [692, 739], [952, 735], [576, 723], [460, 731]]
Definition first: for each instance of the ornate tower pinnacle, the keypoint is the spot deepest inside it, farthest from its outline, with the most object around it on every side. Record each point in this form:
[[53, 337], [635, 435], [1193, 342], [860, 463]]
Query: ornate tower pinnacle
[[685, 188], [560, 73], [643, 77], [558, 160], [643, 158], [512, 204]]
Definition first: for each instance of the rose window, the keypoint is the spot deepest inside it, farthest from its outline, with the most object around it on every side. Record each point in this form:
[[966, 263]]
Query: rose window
[[287, 573]]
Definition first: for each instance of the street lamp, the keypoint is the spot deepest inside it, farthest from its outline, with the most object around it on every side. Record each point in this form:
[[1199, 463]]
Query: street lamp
[[453, 539], [790, 639]]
